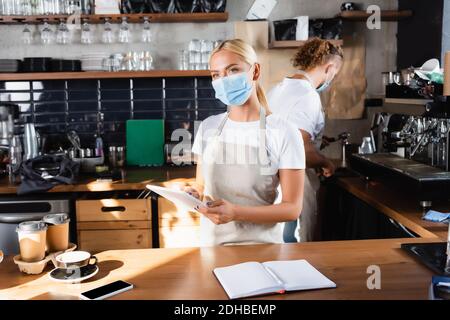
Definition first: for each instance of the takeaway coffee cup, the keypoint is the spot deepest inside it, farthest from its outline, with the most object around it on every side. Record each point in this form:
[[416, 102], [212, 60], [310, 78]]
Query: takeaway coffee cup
[[74, 259], [32, 240], [57, 232]]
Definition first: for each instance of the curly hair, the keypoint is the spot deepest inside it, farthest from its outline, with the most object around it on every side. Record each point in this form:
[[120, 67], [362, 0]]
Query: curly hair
[[315, 52]]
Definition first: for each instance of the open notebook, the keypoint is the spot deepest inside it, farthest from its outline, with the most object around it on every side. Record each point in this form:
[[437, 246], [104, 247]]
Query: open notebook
[[254, 278]]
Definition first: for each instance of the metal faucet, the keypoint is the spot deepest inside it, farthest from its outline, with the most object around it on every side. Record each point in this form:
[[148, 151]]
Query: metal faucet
[[343, 137]]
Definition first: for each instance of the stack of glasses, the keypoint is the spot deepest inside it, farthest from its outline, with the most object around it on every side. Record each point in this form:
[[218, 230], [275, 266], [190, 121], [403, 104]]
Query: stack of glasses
[[45, 7], [197, 55]]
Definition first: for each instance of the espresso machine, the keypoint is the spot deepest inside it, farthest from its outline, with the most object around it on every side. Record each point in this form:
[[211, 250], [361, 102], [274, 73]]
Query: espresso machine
[[413, 152], [8, 141]]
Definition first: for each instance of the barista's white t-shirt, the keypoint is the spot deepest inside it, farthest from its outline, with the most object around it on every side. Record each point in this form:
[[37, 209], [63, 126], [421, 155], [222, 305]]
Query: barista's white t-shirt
[[283, 143], [298, 102]]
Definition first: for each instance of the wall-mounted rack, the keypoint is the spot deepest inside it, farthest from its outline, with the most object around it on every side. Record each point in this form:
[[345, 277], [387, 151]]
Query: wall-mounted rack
[[386, 15], [117, 18], [102, 75], [292, 44]]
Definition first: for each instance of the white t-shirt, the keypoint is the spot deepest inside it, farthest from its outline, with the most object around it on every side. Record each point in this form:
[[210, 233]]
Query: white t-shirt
[[298, 102], [283, 143]]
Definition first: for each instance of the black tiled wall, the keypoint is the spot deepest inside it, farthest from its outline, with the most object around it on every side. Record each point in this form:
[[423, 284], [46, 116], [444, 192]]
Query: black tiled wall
[[56, 106]]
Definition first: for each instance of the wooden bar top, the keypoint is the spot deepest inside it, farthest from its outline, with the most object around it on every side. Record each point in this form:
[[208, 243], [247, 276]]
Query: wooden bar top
[[132, 179], [397, 206], [186, 273]]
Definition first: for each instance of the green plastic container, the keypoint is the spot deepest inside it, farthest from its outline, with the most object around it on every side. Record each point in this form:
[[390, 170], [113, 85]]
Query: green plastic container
[[145, 142]]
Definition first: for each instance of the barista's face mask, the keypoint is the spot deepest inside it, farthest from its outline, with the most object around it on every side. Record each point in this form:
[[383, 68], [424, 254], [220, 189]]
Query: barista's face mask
[[233, 90], [324, 86]]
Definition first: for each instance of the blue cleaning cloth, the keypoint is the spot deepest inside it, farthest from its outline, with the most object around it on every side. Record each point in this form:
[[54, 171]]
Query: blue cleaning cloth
[[440, 279], [436, 216]]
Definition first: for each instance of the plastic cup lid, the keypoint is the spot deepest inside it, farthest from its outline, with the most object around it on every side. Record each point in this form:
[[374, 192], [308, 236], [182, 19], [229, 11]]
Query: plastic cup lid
[[31, 226], [58, 218]]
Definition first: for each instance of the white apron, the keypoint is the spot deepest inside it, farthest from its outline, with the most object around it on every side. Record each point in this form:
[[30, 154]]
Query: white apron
[[307, 222], [233, 176]]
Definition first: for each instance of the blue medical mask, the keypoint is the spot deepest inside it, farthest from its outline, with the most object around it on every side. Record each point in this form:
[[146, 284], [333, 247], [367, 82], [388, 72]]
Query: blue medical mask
[[233, 90], [324, 86]]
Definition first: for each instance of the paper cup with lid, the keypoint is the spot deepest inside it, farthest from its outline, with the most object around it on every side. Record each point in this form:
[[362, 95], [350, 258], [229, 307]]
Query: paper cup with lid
[[32, 240], [58, 231]]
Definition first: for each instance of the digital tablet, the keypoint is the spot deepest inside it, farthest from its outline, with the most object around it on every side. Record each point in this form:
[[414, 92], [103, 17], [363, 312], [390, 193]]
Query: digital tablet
[[179, 198]]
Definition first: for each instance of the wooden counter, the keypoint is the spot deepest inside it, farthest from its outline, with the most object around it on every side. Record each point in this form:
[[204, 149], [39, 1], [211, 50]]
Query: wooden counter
[[187, 273], [397, 206], [132, 179]]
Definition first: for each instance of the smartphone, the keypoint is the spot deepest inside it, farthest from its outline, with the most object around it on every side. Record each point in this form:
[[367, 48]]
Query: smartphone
[[106, 291]]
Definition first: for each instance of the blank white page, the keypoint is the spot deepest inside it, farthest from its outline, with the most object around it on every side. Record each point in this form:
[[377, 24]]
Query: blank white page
[[246, 279], [299, 275]]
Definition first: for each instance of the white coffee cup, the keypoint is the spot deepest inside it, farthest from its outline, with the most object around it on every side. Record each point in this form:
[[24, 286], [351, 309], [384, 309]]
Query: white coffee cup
[[74, 259]]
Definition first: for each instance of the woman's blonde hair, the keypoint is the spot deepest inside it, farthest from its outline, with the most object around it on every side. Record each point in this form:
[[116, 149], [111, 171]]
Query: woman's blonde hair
[[248, 54], [316, 52]]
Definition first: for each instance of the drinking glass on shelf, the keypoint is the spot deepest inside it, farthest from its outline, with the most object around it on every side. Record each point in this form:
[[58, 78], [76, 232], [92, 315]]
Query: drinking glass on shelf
[[27, 8], [124, 31], [111, 64], [195, 45], [27, 35], [62, 6], [86, 33], [86, 6], [184, 60], [73, 7], [205, 60], [195, 59], [127, 62], [206, 46], [108, 34], [147, 61], [48, 7], [62, 33], [55, 7], [46, 33], [38, 7], [136, 58], [146, 35], [7, 7], [17, 7]]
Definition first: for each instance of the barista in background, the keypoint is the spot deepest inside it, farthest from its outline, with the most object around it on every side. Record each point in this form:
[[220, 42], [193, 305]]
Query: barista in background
[[297, 99]]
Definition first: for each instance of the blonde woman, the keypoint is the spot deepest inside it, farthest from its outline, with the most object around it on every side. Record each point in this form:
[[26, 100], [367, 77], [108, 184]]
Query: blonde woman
[[297, 99], [243, 155]]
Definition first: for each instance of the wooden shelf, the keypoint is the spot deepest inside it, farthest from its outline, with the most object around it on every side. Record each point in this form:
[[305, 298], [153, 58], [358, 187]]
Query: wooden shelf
[[102, 75], [292, 44], [417, 102], [386, 15], [117, 18]]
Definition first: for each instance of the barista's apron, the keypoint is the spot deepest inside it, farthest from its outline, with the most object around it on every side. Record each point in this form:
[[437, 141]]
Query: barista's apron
[[307, 223], [242, 175]]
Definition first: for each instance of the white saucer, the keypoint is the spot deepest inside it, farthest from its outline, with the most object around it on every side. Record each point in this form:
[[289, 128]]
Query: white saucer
[[86, 273]]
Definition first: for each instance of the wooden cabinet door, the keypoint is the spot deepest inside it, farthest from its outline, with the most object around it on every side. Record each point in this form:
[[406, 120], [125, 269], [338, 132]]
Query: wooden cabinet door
[[101, 240]]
